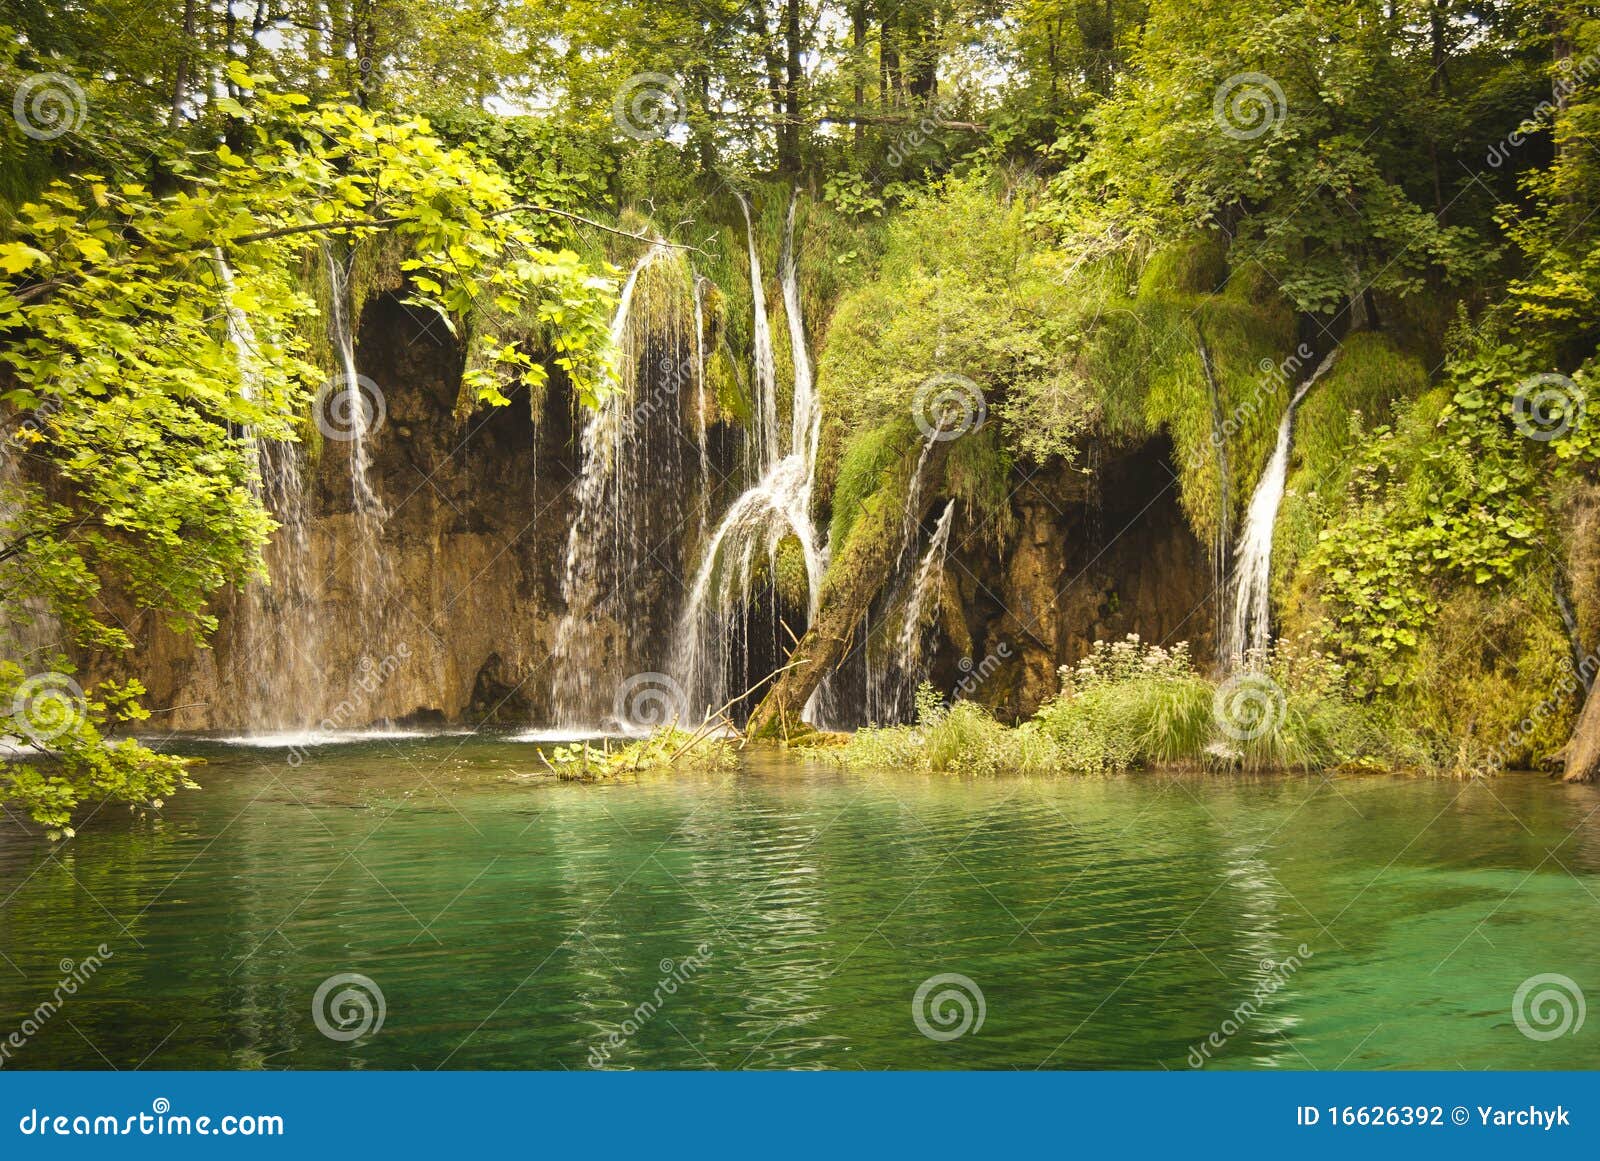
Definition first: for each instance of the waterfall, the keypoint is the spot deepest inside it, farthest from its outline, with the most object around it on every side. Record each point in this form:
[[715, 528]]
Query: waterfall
[[279, 667], [348, 409], [764, 409], [805, 425], [350, 413], [702, 419], [930, 574], [715, 622], [631, 460], [1249, 628], [884, 685]]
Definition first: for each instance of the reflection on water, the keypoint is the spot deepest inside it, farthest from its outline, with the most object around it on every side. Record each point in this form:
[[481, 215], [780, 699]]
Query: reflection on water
[[785, 915]]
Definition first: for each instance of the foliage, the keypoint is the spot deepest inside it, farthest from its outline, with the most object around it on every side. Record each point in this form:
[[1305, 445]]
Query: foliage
[[1234, 129], [963, 738], [961, 297], [668, 748], [134, 407], [60, 750], [1129, 705]]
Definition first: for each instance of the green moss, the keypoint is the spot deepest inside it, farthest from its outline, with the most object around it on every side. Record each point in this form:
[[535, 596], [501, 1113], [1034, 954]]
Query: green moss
[[866, 468], [978, 473], [1195, 267], [1247, 346], [787, 571], [1360, 392]]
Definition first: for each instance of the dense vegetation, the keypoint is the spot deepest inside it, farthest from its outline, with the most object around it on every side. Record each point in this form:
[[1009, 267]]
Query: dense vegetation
[[1101, 220]]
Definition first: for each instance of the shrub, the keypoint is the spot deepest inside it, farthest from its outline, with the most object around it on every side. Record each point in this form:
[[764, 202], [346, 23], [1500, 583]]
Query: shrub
[[1129, 705]]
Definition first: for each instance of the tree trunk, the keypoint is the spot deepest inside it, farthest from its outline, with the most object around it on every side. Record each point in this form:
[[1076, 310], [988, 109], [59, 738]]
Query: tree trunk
[[774, 66], [858, 41], [869, 555], [789, 141], [1583, 751], [180, 84]]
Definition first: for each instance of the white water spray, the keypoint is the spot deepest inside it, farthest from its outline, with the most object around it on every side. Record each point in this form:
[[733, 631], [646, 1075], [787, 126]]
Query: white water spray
[[919, 605], [776, 508], [1249, 628], [764, 415]]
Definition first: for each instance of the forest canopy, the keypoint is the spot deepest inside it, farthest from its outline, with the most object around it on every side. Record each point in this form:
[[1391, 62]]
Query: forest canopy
[[1109, 216]]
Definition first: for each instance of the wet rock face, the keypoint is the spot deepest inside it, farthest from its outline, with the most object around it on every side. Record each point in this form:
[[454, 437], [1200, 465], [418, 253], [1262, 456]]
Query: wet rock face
[[451, 615], [457, 621], [1092, 559]]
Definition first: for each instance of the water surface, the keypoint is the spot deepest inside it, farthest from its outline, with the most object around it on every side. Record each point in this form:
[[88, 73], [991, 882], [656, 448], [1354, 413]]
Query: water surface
[[785, 915]]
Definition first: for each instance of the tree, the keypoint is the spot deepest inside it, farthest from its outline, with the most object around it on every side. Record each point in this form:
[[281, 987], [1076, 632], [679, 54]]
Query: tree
[[137, 411]]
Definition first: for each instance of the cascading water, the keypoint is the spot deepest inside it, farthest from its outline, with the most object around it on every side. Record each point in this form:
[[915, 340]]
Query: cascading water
[[350, 407], [702, 418], [884, 684], [279, 649], [1249, 628], [764, 415], [347, 410], [715, 625], [930, 575], [805, 422], [624, 528]]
